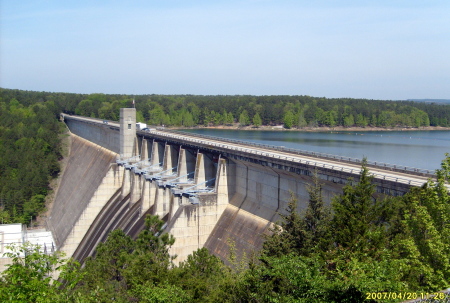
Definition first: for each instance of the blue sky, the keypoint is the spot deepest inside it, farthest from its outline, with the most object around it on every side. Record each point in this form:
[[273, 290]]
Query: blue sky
[[360, 49]]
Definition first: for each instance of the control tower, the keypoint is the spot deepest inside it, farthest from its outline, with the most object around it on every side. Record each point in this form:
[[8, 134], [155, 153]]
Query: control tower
[[127, 131]]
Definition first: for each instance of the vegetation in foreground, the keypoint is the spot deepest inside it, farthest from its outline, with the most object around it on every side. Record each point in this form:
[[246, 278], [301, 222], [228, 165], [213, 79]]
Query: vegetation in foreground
[[359, 246]]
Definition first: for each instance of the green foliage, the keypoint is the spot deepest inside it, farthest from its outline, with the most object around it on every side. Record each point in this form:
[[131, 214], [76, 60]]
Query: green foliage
[[29, 153], [29, 277], [230, 119], [317, 219], [421, 233], [165, 293], [361, 121], [301, 121], [367, 244], [349, 121], [364, 244], [244, 120], [305, 110], [288, 278], [199, 275], [157, 115], [257, 120], [358, 220], [289, 235], [301, 233], [288, 120]]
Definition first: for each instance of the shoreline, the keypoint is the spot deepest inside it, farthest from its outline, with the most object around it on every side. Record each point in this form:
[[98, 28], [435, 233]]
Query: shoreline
[[316, 129]]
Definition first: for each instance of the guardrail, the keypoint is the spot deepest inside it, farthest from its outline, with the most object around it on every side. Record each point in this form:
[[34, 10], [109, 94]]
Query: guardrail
[[179, 136], [375, 164]]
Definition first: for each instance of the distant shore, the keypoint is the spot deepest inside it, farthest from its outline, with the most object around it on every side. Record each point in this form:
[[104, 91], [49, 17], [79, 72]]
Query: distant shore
[[316, 129]]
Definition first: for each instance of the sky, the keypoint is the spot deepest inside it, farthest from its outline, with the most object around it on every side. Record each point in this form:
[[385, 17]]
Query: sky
[[391, 50]]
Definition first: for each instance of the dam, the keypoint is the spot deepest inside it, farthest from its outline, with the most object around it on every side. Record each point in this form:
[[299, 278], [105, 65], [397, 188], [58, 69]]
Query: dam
[[209, 191]]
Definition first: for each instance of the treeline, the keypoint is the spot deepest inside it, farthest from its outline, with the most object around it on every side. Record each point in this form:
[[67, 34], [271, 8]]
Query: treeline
[[291, 111], [362, 248], [29, 130], [29, 152]]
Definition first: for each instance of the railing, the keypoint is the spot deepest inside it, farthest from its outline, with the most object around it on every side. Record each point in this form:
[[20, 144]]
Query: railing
[[375, 164]]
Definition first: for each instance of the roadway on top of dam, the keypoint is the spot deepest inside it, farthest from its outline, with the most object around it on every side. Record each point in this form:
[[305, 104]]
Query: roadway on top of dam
[[409, 176]]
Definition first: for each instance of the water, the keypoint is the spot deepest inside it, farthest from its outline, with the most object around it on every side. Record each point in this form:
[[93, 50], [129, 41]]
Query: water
[[420, 149]]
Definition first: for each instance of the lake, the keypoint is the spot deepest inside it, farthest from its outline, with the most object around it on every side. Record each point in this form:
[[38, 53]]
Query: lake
[[420, 149]]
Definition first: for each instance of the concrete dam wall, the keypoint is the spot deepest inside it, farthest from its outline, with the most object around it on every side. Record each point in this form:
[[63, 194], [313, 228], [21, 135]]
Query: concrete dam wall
[[96, 196], [262, 193], [207, 196], [82, 191], [102, 134]]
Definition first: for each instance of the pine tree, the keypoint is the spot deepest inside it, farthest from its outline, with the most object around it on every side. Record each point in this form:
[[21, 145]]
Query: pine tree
[[257, 120], [317, 219], [243, 118], [301, 233], [359, 217], [287, 236]]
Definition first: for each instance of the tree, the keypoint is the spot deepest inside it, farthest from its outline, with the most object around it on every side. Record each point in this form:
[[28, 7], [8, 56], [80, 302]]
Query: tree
[[301, 122], [243, 118], [386, 118], [139, 116], [349, 121], [317, 220], [199, 275], [288, 119], [301, 233], [188, 120], [230, 119], [157, 115], [218, 118], [288, 236], [359, 219], [150, 260], [361, 121], [29, 277], [257, 120], [121, 265], [420, 232], [165, 293], [195, 111], [329, 118], [111, 260]]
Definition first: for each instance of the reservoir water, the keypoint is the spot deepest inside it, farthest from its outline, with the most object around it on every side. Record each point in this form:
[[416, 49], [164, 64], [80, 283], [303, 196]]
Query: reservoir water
[[419, 149]]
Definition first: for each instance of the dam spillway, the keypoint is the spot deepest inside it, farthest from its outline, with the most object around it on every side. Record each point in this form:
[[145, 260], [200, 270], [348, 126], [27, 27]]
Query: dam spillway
[[207, 191]]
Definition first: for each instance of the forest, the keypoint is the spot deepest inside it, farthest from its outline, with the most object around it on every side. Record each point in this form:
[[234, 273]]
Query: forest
[[290, 111], [362, 248], [357, 249], [29, 152]]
